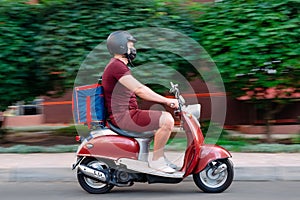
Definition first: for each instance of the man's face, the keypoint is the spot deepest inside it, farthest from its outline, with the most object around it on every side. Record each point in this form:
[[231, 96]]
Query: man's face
[[130, 45], [131, 51]]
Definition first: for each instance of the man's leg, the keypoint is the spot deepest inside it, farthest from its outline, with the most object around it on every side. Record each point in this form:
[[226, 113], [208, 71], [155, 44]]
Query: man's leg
[[162, 135], [160, 139]]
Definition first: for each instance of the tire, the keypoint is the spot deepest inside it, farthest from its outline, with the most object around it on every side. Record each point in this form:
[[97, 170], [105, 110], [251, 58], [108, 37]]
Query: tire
[[89, 184], [210, 183]]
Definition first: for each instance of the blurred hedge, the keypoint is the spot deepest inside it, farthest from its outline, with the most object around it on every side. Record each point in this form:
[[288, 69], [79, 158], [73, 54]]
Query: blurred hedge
[[42, 46], [244, 37]]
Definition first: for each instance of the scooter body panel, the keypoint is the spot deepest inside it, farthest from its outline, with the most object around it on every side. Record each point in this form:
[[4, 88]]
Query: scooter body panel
[[110, 146], [194, 142], [198, 154], [210, 153]]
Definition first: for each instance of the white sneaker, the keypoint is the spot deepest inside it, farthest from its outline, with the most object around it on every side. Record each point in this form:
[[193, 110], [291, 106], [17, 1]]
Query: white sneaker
[[170, 164], [161, 165]]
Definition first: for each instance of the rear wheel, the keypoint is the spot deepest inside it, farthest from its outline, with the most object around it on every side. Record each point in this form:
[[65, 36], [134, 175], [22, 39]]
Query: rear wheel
[[216, 177], [92, 185]]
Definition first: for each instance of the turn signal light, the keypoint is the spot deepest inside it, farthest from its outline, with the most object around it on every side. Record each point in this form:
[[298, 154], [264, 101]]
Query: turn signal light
[[78, 138]]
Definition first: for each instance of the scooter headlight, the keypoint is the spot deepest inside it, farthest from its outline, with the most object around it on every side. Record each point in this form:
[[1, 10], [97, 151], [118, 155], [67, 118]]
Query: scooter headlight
[[194, 110]]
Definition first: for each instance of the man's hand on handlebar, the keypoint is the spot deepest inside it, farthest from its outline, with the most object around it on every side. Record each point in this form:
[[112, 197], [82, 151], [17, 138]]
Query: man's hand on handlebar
[[172, 103]]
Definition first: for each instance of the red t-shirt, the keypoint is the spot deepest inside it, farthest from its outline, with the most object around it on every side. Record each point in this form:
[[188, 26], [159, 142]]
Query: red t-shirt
[[118, 98], [121, 103]]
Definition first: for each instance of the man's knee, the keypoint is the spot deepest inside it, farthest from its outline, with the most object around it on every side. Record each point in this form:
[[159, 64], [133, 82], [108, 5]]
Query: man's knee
[[166, 121]]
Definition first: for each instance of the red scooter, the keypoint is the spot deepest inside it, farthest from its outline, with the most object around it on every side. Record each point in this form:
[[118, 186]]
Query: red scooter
[[113, 157]]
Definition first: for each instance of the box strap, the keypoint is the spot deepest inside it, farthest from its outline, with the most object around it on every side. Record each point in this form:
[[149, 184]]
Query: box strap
[[88, 111]]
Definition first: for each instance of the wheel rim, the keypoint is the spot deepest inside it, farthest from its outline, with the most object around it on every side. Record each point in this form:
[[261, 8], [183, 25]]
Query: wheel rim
[[209, 179], [92, 182]]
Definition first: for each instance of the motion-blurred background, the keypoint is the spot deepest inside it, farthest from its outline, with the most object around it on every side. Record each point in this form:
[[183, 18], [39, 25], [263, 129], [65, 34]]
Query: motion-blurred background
[[254, 44]]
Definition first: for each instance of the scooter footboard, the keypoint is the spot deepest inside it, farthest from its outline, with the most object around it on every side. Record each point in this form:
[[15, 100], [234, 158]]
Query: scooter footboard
[[210, 153]]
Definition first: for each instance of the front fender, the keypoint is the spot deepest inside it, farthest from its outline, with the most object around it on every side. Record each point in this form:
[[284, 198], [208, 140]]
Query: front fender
[[210, 153]]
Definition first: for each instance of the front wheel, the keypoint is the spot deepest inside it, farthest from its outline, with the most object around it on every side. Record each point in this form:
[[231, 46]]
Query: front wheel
[[216, 177]]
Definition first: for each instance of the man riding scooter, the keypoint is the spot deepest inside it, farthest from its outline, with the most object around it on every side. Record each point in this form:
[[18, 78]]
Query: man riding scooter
[[120, 91], [116, 150]]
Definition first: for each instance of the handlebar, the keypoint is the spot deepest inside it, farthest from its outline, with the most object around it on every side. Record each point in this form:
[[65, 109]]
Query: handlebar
[[174, 89]]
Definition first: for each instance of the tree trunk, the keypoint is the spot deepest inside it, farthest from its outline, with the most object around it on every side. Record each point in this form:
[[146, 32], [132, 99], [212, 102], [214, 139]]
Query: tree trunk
[[271, 111], [268, 119]]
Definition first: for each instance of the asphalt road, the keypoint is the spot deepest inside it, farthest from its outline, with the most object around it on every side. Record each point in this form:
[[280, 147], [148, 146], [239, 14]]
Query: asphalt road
[[273, 190]]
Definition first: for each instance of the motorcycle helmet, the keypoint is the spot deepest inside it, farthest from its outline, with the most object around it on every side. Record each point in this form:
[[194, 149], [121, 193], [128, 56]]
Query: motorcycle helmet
[[117, 42]]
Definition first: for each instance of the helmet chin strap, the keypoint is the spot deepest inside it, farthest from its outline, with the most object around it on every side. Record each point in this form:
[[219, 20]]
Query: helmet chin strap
[[131, 55], [129, 60]]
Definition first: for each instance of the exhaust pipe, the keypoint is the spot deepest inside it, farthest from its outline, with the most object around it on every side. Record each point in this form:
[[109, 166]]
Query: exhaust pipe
[[99, 175]]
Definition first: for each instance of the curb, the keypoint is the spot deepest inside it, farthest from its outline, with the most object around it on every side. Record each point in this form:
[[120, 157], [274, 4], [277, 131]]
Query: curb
[[37, 175], [68, 175], [267, 173]]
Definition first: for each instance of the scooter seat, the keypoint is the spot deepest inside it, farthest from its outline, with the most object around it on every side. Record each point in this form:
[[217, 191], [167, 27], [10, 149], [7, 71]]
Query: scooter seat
[[131, 134]]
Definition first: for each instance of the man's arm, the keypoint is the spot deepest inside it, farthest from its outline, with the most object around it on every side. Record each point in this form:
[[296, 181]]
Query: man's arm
[[144, 92]]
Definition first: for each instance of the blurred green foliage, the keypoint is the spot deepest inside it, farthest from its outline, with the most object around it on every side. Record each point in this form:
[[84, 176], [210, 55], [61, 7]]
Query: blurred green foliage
[[3, 132], [296, 139], [242, 36], [42, 46], [66, 131], [255, 45]]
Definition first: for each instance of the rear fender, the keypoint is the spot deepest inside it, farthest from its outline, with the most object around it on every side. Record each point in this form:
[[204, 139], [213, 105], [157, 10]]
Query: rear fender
[[210, 153]]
